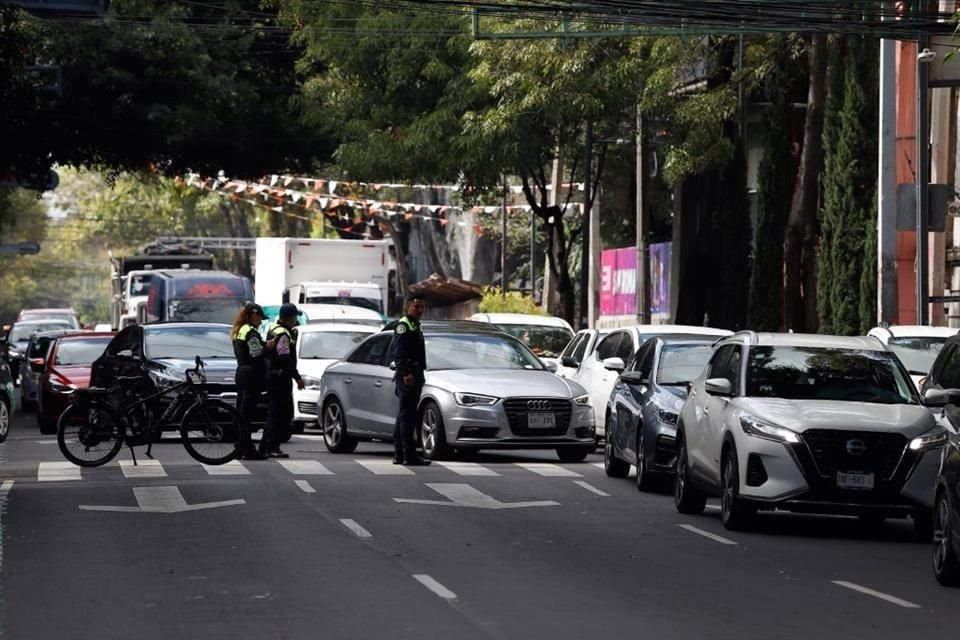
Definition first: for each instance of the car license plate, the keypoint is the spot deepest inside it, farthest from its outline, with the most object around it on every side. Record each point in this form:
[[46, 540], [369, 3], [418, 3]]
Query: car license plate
[[541, 420], [854, 480]]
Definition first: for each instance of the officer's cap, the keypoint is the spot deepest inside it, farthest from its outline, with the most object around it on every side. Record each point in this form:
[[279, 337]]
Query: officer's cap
[[288, 310]]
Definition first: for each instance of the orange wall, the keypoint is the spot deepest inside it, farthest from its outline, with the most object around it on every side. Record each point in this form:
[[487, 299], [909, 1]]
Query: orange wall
[[906, 151]]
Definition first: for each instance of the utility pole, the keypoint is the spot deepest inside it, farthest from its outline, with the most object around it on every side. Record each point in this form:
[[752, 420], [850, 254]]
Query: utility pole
[[503, 240], [643, 307], [585, 227], [887, 311], [533, 255], [923, 181]]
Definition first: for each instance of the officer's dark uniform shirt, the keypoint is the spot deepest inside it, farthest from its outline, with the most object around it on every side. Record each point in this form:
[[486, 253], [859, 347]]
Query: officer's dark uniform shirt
[[249, 349], [408, 348], [284, 355]]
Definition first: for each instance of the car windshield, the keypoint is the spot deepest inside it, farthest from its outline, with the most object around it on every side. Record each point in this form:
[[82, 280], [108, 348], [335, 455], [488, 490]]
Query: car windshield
[[185, 343], [543, 341], [363, 303], [470, 351], [917, 354], [22, 332], [817, 373], [681, 363], [40, 346], [204, 310], [80, 351], [329, 345]]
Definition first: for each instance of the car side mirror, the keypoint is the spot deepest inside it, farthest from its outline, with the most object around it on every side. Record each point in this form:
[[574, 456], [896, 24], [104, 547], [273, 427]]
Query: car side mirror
[[570, 361], [718, 387], [550, 365], [634, 378], [940, 397], [614, 364]]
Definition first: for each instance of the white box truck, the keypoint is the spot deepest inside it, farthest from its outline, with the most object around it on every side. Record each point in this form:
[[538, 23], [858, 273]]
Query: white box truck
[[315, 271]]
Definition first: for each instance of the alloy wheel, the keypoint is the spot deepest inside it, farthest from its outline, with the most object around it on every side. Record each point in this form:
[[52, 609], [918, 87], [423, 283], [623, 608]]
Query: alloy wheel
[[680, 481], [428, 431], [332, 424], [4, 420], [727, 499], [941, 536]]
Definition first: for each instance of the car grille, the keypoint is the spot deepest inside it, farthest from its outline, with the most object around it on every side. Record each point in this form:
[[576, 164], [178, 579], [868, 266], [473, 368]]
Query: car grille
[[835, 451], [309, 408], [517, 411]]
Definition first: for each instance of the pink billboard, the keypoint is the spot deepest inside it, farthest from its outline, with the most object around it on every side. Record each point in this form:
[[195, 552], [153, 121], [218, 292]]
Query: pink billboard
[[618, 282]]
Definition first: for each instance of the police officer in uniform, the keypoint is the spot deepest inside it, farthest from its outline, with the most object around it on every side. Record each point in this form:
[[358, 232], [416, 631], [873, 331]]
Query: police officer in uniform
[[251, 375], [410, 359], [281, 371]]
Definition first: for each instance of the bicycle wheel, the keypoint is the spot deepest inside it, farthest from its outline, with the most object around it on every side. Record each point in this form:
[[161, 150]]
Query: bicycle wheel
[[211, 430], [89, 434]]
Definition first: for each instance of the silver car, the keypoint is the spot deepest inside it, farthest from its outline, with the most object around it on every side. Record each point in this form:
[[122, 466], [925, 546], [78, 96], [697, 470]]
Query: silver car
[[484, 390]]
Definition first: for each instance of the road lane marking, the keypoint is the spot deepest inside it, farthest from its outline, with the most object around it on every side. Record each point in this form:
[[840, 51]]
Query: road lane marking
[[713, 507], [160, 500], [468, 468], [305, 467], [906, 604], [143, 469], [384, 467], [463, 495], [232, 468], [706, 534], [435, 586], [549, 470], [598, 465], [592, 489], [57, 472], [356, 528], [5, 488], [304, 486]]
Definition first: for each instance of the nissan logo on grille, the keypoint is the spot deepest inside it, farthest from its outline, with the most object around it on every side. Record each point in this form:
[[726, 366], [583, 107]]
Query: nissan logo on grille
[[538, 405], [856, 447]]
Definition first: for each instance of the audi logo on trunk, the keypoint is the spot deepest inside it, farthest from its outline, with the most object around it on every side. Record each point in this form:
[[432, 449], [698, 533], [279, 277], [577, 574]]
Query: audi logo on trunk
[[538, 405], [856, 447]]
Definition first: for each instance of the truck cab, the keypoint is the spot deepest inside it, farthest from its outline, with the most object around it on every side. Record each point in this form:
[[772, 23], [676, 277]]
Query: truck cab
[[365, 295], [189, 295]]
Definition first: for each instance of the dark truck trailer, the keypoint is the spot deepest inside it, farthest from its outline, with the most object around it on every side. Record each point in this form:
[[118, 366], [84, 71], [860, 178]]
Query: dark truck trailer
[[184, 295]]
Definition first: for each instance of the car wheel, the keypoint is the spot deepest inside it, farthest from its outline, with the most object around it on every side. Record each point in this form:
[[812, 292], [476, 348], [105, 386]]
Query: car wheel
[[573, 454], [4, 419], [335, 436], [433, 438], [613, 466], [922, 525], [735, 513], [645, 479], [946, 564], [686, 498]]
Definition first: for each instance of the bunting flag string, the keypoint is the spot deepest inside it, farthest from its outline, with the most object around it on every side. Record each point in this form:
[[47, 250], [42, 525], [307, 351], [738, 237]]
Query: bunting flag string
[[318, 184]]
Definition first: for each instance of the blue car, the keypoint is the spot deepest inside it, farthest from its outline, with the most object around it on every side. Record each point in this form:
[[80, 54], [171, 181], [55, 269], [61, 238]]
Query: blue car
[[641, 415]]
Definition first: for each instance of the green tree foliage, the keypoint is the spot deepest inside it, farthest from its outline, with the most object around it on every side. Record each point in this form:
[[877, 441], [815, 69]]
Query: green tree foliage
[[513, 302], [849, 198]]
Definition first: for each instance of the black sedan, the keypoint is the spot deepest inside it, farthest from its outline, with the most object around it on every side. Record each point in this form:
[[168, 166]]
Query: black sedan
[[159, 354], [946, 513], [641, 415], [8, 400]]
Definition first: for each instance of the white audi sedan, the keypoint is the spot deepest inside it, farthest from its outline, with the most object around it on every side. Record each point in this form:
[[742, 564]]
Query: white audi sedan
[[484, 390]]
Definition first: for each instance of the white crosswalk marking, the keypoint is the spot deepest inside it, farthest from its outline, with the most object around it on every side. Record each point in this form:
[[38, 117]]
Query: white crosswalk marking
[[384, 467], [57, 472], [468, 469], [232, 468], [143, 469], [304, 486], [305, 468], [549, 470], [598, 465]]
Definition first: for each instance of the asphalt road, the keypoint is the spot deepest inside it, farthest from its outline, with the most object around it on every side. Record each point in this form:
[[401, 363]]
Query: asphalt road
[[499, 546]]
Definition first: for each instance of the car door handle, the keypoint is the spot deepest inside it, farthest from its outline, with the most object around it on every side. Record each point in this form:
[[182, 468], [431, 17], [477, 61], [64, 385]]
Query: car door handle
[[378, 383], [348, 381]]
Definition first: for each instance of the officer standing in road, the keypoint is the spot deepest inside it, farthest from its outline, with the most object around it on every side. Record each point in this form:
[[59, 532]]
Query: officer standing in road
[[251, 375], [410, 359], [281, 371]]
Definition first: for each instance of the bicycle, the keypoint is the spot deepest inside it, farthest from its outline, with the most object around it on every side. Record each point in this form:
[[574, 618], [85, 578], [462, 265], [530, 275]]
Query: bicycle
[[92, 429]]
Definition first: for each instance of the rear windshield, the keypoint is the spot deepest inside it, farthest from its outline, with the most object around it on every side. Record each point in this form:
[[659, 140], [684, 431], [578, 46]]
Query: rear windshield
[[80, 351], [22, 332], [547, 342]]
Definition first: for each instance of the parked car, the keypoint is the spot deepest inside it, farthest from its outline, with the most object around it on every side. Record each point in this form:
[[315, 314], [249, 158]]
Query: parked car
[[810, 423], [545, 335], [598, 371], [8, 400], [36, 356], [160, 353], [50, 314], [484, 390], [319, 346], [19, 338], [65, 370], [645, 404], [579, 349], [946, 512], [916, 346]]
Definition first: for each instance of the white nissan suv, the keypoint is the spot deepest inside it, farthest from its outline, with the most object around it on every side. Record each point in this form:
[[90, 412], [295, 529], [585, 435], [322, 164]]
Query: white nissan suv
[[809, 423]]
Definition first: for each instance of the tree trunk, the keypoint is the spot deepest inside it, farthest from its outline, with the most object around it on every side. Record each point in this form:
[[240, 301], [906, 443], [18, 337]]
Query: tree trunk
[[801, 236]]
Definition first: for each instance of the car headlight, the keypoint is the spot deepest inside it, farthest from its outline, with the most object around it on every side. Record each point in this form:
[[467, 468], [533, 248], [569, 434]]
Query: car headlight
[[767, 430], [164, 379], [474, 400], [582, 401], [309, 382], [930, 440], [63, 388], [667, 417]]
